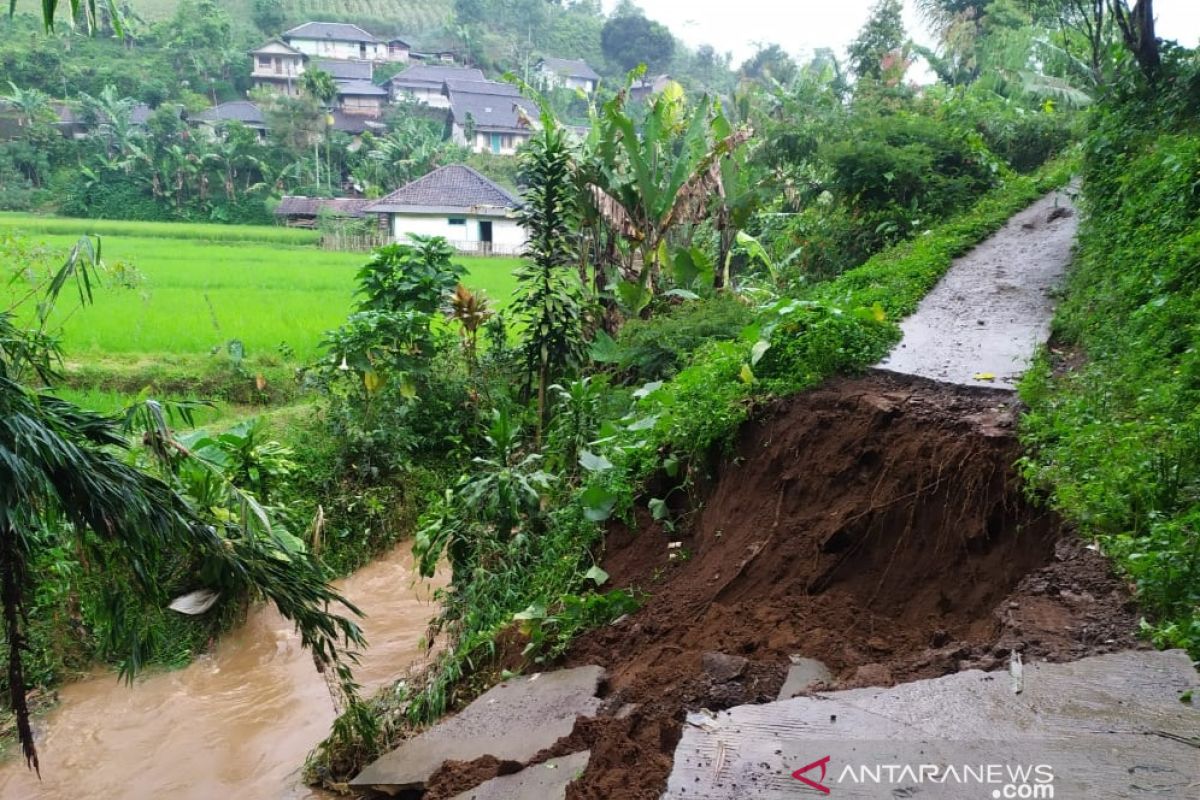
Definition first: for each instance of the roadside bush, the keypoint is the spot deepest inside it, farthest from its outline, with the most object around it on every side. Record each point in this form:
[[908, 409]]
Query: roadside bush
[[657, 347]]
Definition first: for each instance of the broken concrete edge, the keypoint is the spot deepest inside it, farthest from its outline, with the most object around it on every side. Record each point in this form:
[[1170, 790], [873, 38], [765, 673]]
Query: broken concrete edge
[[547, 780], [1074, 715], [512, 721]]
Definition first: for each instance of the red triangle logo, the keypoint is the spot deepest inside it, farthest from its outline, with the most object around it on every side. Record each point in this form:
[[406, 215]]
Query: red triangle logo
[[817, 784]]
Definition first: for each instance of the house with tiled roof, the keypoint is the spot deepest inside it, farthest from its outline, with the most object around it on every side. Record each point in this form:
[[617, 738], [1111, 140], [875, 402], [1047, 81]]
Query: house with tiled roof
[[361, 98], [568, 73], [490, 117], [473, 213], [425, 83], [277, 66], [338, 40], [239, 111]]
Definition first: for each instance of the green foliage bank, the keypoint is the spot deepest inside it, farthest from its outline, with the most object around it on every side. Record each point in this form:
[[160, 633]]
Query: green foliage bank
[[1116, 440]]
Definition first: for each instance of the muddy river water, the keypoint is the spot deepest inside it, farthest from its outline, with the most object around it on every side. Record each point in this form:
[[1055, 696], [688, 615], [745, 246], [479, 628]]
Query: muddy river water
[[234, 724]]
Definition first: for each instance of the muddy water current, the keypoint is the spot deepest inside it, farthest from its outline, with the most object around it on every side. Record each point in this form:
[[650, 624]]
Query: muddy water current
[[234, 724]]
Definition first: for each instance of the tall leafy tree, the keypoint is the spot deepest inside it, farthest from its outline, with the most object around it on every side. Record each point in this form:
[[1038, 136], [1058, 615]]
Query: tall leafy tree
[[881, 37], [630, 39]]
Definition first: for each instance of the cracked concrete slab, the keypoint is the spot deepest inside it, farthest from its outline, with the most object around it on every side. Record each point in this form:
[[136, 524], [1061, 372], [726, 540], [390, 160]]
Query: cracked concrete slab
[[512, 721], [993, 308], [1106, 727], [545, 781]]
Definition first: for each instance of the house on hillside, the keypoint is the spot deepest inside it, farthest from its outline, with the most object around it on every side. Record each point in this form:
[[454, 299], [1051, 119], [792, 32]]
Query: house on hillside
[[361, 98], [277, 66], [304, 212], [398, 50], [569, 74], [648, 88], [240, 111], [425, 83], [355, 125], [489, 117], [470, 211], [344, 42]]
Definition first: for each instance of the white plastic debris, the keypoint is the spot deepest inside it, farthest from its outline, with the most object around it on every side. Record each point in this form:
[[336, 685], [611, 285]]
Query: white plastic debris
[[195, 603]]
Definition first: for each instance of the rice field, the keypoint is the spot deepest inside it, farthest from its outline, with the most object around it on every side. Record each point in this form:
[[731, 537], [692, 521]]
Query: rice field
[[193, 294]]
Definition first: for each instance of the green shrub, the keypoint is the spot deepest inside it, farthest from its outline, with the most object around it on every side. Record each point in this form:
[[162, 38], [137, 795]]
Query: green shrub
[[654, 348]]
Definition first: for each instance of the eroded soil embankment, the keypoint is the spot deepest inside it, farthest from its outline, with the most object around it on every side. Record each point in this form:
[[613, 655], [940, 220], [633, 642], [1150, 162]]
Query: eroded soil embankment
[[875, 524]]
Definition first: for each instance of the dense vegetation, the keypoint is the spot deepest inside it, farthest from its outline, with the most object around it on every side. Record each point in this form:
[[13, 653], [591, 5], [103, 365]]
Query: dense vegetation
[[1113, 431]]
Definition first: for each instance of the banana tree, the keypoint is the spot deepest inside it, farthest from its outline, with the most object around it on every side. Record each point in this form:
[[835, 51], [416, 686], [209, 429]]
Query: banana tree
[[646, 183]]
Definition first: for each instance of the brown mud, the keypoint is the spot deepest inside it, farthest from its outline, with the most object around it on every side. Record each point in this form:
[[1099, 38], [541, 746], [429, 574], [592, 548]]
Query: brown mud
[[876, 524]]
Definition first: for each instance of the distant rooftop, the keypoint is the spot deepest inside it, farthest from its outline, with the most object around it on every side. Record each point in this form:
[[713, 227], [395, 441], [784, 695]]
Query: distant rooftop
[[361, 88], [234, 111], [455, 187], [294, 205], [490, 110], [338, 31], [347, 70], [483, 87], [434, 75], [570, 68]]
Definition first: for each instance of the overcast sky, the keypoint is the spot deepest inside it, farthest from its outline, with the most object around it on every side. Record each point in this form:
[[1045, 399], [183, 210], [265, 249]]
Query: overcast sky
[[799, 26]]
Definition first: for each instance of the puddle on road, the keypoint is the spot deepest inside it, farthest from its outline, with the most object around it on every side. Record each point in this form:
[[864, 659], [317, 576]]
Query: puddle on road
[[236, 723]]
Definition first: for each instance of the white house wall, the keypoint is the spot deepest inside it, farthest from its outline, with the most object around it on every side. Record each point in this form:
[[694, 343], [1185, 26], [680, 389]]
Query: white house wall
[[345, 51], [507, 235], [509, 142]]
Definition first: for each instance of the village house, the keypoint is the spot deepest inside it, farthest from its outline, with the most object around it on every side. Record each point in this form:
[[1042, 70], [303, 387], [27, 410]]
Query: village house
[[565, 73], [489, 117], [474, 214], [239, 111], [648, 88], [361, 98], [277, 66], [426, 83], [344, 42]]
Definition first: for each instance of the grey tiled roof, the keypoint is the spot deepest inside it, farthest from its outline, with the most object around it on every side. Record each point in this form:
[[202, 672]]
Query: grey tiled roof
[[340, 31], [490, 110], [360, 88], [482, 87], [570, 68], [292, 205], [278, 42], [347, 70], [433, 76], [455, 186], [234, 111], [356, 123]]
